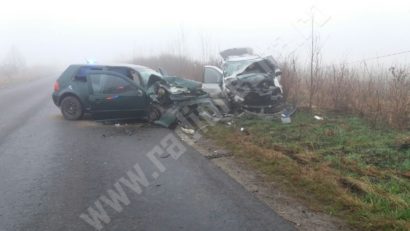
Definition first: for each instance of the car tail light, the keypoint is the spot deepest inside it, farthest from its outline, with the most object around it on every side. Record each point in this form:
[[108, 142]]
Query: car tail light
[[56, 86]]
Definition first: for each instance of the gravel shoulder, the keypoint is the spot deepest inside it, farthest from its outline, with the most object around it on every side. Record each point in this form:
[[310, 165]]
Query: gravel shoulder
[[267, 191]]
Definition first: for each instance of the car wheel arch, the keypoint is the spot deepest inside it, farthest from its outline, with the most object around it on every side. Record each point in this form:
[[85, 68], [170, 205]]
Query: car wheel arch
[[70, 94]]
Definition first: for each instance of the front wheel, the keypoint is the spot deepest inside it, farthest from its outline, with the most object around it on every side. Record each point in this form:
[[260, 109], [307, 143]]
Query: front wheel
[[71, 108], [154, 113]]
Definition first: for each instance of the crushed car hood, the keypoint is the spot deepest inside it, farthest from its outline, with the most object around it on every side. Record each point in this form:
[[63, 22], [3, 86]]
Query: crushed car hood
[[176, 96], [179, 85], [173, 86], [255, 87], [265, 65]]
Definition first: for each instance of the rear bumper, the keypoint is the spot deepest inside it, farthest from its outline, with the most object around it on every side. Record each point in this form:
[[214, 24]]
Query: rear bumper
[[55, 99]]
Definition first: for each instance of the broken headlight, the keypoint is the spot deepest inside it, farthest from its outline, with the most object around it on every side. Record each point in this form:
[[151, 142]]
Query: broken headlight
[[161, 91]]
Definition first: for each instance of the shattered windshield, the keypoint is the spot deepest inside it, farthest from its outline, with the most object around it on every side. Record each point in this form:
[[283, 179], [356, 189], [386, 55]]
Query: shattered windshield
[[146, 73], [229, 68]]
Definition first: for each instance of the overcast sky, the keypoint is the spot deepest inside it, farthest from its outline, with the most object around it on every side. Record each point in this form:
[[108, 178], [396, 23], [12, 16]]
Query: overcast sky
[[63, 32]]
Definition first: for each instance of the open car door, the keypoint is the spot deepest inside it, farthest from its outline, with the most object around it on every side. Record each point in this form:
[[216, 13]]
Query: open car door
[[213, 84], [212, 80]]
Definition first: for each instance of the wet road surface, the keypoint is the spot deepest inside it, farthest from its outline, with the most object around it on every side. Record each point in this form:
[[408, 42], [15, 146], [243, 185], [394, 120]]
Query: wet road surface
[[57, 175]]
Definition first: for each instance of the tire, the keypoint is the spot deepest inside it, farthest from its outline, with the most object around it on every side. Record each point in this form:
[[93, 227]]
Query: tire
[[71, 108], [154, 113]]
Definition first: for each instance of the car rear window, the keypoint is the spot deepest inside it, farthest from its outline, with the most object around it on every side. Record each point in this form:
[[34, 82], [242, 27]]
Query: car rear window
[[83, 71]]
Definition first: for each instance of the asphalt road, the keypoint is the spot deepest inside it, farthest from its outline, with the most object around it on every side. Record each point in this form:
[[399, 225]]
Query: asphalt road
[[57, 175]]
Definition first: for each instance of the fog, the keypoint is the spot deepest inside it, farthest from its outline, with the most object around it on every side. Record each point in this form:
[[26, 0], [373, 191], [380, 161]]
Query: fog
[[54, 32]]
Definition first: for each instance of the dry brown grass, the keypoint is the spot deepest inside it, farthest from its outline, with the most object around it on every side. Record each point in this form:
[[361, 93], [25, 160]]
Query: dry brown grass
[[381, 95]]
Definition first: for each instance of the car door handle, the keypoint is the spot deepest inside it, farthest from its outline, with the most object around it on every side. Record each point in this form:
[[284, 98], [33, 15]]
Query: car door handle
[[99, 100]]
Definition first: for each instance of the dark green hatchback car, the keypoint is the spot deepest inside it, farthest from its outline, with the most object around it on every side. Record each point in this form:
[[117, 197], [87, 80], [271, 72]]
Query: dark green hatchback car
[[106, 92]]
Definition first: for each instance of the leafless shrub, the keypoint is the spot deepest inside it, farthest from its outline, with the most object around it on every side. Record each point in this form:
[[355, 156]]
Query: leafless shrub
[[398, 93], [380, 96], [340, 88], [314, 80], [291, 81]]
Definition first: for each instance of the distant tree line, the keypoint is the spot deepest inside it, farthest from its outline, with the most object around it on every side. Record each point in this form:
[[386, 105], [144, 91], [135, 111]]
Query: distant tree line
[[12, 64]]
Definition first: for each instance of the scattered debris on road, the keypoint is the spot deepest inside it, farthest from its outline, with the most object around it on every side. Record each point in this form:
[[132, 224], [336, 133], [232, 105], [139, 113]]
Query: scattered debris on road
[[188, 131], [285, 119], [318, 117], [219, 153]]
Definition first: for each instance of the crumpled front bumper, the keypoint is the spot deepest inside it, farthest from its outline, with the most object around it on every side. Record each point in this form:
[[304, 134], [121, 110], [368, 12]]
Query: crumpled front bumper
[[182, 106]]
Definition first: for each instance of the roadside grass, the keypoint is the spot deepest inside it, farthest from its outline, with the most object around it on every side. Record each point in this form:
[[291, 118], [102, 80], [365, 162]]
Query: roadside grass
[[340, 165]]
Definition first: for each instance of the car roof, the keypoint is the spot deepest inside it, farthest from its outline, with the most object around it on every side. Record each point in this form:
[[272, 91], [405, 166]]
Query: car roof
[[132, 66]]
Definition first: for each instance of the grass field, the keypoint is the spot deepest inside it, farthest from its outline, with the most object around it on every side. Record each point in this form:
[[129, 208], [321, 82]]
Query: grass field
[[340, 165]]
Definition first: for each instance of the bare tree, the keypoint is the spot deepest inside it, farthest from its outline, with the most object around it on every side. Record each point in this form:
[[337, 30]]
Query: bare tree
[[315, 55], [315, 63]]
